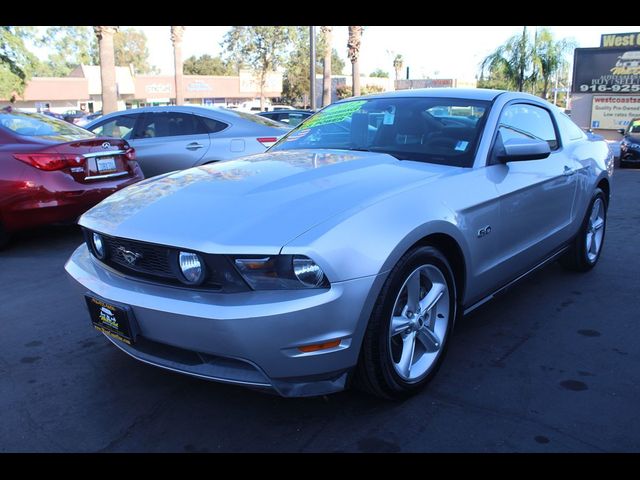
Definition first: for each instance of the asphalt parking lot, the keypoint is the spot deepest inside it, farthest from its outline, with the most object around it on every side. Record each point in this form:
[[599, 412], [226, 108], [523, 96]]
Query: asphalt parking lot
[[552, 366]]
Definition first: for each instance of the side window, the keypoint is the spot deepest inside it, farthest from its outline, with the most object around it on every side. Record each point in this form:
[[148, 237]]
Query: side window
[[529, 120], [169, 124], [118, 127], [211, 125], [569, 129]]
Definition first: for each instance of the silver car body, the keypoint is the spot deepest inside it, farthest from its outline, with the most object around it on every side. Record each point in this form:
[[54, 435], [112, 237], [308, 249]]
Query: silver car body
[[355, 214], [161, 154]]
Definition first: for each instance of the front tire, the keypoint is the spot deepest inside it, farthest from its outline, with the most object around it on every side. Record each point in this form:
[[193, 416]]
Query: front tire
[[587, 246], [408, 332]]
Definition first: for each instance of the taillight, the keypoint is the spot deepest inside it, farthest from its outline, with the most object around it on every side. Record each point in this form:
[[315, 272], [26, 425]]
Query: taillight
[[50, 161], [267, 141], [130, 153]]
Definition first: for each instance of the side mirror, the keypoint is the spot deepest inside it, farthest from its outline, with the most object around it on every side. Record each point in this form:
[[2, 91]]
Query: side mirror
[[621, 131], [523, 149]]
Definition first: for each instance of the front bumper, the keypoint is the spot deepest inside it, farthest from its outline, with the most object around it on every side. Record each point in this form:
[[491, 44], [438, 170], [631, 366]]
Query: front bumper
[[629, 155], [248, 338]]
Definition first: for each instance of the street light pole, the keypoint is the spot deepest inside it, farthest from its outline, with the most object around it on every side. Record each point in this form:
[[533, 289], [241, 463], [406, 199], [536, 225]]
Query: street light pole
[[312, 67]]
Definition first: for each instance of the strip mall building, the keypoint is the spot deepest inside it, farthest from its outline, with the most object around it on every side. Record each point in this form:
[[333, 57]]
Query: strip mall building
[[82, 90]]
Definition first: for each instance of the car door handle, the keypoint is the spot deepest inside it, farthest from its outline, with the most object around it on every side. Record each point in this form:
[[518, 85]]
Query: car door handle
[[194, 146], [568, 171]]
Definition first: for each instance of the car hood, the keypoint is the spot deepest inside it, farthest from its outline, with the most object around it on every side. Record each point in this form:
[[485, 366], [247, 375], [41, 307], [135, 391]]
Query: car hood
[[254, 204]]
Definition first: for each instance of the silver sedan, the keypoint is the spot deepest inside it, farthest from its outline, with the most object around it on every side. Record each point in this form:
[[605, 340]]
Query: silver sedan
[[346, 253], [175, 138]]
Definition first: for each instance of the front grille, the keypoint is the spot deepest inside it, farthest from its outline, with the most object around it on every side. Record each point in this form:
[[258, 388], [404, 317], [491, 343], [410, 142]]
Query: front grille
[[158, 264], [153, 259]]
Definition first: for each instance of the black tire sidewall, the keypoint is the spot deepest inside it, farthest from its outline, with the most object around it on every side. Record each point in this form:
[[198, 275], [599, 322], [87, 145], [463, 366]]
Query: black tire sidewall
[[416, 258]]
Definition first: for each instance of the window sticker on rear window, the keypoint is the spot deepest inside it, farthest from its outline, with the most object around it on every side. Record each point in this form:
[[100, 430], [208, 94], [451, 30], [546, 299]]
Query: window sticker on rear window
[[635, 123], [334, 114]]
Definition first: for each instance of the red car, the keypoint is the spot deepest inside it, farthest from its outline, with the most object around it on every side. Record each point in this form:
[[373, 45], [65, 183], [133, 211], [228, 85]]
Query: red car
[[52, 171]]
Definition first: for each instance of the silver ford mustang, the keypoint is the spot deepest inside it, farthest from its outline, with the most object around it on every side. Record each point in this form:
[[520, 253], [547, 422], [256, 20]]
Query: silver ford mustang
[[345, 253]]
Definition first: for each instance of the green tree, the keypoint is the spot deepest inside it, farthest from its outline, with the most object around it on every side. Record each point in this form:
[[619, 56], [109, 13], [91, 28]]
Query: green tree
[[130, 46], [208, 65], [295, 84], [512, 61], [262, 48], [549, 57], [71, 46], [16, 62], [378, 72]]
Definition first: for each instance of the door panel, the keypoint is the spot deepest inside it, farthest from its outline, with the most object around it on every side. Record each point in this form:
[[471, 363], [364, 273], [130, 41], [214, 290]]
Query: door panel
[[536, 196], [167, 141]]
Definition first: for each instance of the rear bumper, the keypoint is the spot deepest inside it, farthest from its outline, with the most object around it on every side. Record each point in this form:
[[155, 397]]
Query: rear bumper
[[40, 204], [248, 338]]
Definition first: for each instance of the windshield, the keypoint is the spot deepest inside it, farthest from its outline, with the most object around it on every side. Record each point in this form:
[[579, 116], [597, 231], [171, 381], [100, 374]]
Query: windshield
[[436, 130], [38, 125], [634, 126]]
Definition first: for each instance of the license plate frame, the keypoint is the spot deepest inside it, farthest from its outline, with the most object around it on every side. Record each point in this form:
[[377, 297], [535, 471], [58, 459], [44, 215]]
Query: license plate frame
[[106, 164], [113, 319]]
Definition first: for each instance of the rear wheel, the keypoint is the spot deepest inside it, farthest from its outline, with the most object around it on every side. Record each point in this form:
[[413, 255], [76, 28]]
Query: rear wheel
[[408, 332], [587, 246]]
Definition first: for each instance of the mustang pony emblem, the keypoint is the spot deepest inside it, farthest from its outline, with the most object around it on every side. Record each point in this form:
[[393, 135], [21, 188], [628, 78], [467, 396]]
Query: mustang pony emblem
[[129, 256]]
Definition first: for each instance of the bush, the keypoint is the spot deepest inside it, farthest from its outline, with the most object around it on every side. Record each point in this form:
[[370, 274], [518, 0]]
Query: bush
[[345, 91]]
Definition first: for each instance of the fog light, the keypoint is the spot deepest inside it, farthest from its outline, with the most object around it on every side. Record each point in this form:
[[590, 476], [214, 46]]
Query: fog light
[[191, 267], [308, 272], [98, 246]]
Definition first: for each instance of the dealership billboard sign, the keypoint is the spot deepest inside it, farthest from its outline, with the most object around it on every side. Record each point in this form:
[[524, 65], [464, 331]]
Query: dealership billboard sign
[[614, 40], [612, 112], [606, 70]]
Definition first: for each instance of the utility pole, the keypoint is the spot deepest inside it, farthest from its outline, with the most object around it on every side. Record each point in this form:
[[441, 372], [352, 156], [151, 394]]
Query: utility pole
[[312, 67]]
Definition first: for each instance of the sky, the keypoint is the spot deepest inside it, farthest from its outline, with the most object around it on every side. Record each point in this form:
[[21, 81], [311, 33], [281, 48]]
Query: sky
[[436, 52]]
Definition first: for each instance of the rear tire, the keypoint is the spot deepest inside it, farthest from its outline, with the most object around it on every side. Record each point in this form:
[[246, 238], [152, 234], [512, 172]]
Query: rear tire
[[408, 332], [587, 246]]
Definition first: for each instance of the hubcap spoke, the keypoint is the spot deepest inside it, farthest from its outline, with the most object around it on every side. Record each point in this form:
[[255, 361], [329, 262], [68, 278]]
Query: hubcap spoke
[[429, 340], [406, 359], [598, 224], [432, 297], [399, 325], [413, 291]]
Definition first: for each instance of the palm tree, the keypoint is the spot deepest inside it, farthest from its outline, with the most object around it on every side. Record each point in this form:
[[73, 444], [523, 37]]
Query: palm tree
[[398, 63], [326, 66], [549, 56], [107, 67], [511, 60], [353, 44], [176, 39]]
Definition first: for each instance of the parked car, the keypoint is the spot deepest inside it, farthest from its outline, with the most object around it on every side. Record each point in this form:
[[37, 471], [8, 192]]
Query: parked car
[[59, 116], [74, 116], [630, 144], [82, 122], [52, 171], [290, 117], [348, 250], [175, 138]]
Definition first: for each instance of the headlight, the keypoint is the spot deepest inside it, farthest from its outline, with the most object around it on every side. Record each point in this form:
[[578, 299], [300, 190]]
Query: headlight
[[98, 246], [281, 272], [191, 267]]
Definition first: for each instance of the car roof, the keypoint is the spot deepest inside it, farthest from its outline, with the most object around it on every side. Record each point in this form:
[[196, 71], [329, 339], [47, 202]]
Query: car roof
[[465, 93], [205, 111], [280, 112]]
